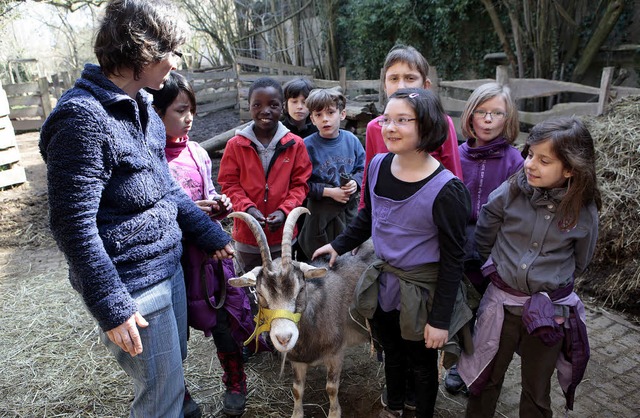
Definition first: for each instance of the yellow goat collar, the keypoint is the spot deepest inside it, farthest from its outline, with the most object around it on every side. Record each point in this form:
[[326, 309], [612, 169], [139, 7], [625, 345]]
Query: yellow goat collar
[[263, 321]]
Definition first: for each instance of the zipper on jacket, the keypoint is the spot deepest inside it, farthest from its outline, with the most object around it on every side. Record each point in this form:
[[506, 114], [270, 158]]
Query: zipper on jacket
[[266, 192]]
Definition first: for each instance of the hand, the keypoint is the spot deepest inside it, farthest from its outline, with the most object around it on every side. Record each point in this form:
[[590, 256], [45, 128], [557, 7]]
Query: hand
[[253, 211], [275, 220], [326, 249], [337, 194], [227, 252], [126, 335], [435, 337]]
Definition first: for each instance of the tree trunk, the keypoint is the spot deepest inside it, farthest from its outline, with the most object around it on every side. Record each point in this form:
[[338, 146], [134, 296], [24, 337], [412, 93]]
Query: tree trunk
[[600, 35], [497, 26]]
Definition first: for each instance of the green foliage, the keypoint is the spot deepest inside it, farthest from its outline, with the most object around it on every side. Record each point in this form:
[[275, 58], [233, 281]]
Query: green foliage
[[454, 35]]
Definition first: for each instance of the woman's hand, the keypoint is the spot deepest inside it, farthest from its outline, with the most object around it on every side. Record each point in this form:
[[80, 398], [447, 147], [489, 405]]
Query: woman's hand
[[435, 337], [220, 205], [326, 249], [126, 335], [223, 253]]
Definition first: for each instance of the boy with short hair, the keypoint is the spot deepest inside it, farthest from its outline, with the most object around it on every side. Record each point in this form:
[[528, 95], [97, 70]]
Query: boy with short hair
[[338, 165], [264, 171]]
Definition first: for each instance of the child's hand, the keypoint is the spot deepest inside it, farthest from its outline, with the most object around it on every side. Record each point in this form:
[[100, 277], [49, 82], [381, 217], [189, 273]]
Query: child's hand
[[253, 211], [222, 253], [435, 337], [337, 194], [326, 249], [275, 220], [350, 187]]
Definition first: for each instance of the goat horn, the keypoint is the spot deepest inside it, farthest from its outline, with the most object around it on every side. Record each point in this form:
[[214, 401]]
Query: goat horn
[[258, 232], [287, 233]]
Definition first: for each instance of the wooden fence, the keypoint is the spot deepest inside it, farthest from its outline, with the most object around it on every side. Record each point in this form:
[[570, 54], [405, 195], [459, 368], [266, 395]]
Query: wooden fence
[[11, 173], [227, 87]]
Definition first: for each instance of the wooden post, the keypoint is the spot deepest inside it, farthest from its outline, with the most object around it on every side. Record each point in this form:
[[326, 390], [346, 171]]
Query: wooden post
[[382, 96], [43, 85], [502, 75], [343, 80], [435, 81], [605, 89]]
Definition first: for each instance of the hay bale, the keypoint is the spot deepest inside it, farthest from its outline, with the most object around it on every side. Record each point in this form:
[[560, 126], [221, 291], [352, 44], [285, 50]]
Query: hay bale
[[614, 275]]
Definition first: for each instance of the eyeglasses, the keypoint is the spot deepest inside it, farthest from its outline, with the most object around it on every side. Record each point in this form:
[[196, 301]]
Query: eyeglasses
[[481, 114], [397, 122], [177, 53]]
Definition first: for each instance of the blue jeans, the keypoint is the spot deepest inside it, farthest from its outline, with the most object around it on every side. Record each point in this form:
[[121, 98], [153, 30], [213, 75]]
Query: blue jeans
[[157, 372]]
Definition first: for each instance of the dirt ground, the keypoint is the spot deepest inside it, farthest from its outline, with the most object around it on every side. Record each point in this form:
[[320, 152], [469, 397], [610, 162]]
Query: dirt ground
[[53, 364]]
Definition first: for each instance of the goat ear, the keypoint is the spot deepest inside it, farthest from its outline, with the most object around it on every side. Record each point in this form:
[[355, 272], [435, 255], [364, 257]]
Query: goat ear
[[247, 279], [312, 272]]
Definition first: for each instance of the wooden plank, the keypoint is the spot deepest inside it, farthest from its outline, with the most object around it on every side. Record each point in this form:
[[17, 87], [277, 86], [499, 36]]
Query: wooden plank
[[227, 85], [622, 91], [218, 105], [605, 85], [13, 176], [9, 155], [537, 87], [251, 77], [210, 75], [45, 98], [25, 101], [21, 88], [363, 84], [26, 112], [325, 84], [219, 141], [274, 65], [212, 96], [466, 84], [561, 109], [4, 103], [452, 105], [27, 124], [7, 135]]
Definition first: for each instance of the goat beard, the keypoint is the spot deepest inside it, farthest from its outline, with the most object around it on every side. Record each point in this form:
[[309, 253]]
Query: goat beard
[[284, 360]]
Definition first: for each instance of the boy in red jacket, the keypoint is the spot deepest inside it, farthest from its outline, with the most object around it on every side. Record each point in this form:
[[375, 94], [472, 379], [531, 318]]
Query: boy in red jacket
[[264, 171]]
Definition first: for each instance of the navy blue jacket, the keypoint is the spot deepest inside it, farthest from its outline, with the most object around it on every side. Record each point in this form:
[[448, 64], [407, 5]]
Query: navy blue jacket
[[115, 211]]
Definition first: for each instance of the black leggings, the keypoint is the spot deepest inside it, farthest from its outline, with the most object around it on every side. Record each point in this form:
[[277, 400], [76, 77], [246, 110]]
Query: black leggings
[[221, 333], [398, 352]]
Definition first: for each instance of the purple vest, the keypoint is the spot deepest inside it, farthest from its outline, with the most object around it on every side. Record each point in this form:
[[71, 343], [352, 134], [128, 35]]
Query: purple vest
[[403, 232]]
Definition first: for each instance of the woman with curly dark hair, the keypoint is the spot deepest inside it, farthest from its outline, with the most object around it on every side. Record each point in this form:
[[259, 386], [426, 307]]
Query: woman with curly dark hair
[[115, 210]]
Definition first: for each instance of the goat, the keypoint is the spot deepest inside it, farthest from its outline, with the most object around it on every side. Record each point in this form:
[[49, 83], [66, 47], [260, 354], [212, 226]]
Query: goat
[[319, 298]]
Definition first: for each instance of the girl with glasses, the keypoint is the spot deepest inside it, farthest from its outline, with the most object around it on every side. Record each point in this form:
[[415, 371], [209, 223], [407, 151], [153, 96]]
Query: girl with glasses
[[416, 213]]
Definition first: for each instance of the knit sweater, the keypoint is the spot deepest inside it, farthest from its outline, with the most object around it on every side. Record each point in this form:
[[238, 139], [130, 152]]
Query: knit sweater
[[115, 211]]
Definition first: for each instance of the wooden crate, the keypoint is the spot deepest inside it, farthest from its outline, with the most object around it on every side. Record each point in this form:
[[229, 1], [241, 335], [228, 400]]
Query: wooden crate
[[11, 173]]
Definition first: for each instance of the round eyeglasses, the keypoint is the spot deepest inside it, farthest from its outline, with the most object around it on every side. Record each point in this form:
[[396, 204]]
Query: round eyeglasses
[[481, 114]]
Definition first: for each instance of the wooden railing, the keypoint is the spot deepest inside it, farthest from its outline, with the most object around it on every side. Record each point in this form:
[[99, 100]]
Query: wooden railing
[[228, 87]]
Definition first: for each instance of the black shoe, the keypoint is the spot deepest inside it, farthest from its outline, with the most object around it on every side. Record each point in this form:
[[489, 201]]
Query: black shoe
[[234, 403], [409, 401], [190, 408], [453, 383]]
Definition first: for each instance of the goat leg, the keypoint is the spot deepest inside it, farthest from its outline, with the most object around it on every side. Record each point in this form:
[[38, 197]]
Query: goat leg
[[334, 369], [299, 378]]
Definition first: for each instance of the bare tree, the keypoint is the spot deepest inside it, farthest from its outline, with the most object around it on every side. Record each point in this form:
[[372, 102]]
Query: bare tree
[[546, 33]]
